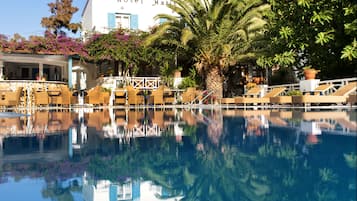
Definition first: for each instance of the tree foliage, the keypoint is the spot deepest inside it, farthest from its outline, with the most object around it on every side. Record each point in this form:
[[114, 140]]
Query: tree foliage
[[170, 41], [127, 48], [62, 12], [221, 33], [320, 33]]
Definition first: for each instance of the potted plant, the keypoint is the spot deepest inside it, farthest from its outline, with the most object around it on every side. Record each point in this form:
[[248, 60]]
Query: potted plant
[[310, 73]]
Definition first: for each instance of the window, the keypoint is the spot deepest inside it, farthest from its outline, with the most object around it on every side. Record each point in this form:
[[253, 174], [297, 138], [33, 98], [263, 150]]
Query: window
[[122, 21]]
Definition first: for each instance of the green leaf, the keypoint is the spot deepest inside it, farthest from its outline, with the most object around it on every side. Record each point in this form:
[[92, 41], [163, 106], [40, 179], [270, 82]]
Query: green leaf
[[350, 10], [264, 62], [322, 17], [186, 36], [351, 28], [324, 37], [286, 32], [350, 51], [285, 59], [303, 46], [304, 3]]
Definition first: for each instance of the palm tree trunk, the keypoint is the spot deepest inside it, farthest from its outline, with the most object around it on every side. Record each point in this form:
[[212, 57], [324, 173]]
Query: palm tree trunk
[[214, 82]]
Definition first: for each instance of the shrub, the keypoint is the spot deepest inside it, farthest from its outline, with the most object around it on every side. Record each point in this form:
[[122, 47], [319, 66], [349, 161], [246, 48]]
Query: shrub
[[189, 81], [294, 93]]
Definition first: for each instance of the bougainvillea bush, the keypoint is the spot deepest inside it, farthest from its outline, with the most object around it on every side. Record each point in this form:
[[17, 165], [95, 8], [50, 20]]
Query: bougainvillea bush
[[124, 47], [47, 44], [127, 48]]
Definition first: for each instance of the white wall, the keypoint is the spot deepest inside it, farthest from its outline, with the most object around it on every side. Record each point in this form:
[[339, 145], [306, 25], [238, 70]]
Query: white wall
[[145, 9], [87, 18]]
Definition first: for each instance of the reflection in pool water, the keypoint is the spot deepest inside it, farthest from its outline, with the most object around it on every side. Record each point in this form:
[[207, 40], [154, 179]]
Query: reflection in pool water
[[176, 154]]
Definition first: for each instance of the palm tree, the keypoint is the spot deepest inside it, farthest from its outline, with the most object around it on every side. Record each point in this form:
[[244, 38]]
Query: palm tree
[[221, 31]]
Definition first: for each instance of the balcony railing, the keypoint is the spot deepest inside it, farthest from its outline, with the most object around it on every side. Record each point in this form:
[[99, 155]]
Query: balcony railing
[[113, 82], [337, 83]]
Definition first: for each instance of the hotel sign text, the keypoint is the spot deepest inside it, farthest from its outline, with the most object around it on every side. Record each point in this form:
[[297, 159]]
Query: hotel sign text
[[154, 2]]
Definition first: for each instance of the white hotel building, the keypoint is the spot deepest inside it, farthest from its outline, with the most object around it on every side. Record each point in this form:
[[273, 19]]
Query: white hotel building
[[104, 16]]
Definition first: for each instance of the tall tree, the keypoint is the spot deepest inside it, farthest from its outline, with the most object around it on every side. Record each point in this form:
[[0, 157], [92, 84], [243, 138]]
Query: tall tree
[[222, 33], [62, 12], [320, 33]]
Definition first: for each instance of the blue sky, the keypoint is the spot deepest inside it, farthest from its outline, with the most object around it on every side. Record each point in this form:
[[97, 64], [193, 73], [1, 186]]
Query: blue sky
[[24, 16]]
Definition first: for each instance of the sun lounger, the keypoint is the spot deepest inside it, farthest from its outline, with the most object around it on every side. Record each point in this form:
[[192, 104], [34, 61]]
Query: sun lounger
[[325, 119], [278, 121], [318, 115], [338, 97], [190, 95], [253, 92], [322, 89], [279, 117], [352, 99], [263, 100], [252, 113], [281, 100], [347, 124], [282, 114]]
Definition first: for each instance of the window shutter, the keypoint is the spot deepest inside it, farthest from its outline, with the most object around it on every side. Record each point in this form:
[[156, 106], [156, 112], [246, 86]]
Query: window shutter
[[162, 20], [136, 189], [113, 192], [134, 22], [111, 20]]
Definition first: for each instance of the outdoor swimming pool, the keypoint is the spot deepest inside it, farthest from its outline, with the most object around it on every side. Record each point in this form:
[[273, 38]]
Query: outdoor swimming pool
[[178, 154]]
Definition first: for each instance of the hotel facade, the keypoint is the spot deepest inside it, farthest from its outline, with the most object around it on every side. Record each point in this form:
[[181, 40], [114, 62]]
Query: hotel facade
[[100, 17]]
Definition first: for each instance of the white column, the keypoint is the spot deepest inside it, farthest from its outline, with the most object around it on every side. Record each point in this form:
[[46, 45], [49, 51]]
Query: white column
[[1, 69], [63, 72], [40, 70], [69, 73]]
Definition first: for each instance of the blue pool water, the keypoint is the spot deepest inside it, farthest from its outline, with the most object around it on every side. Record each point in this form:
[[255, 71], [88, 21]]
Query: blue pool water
[[203, 155]]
